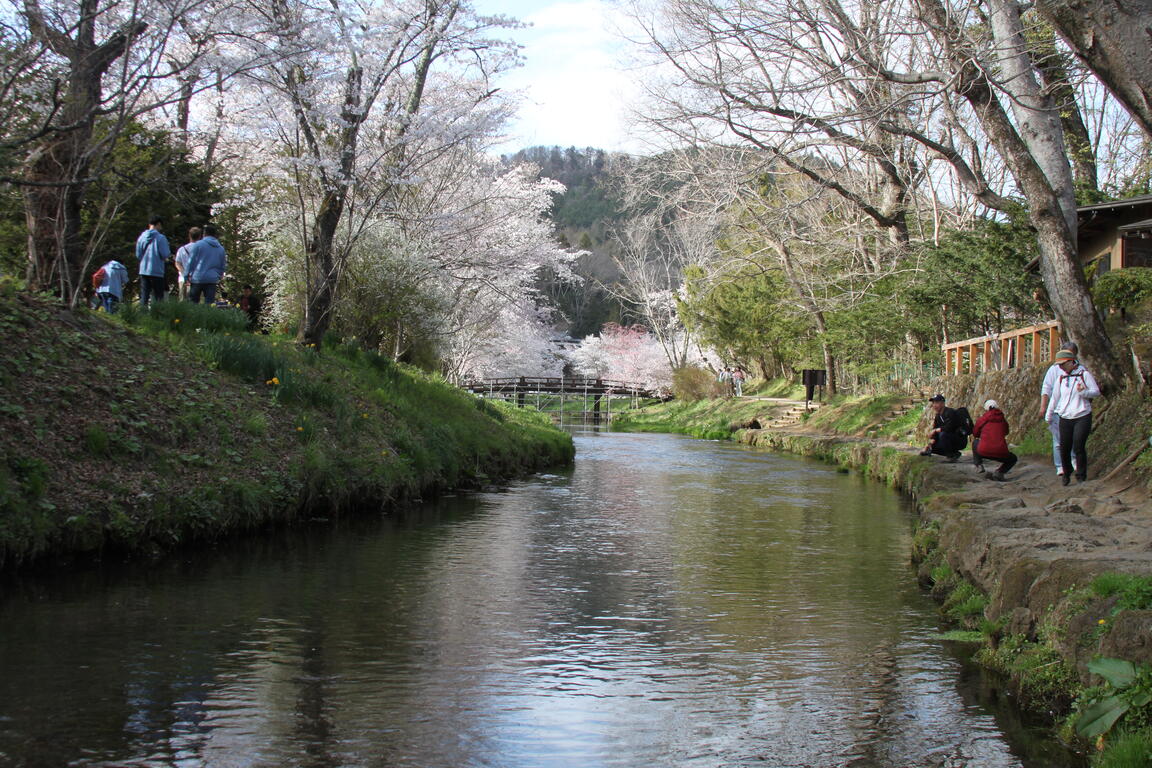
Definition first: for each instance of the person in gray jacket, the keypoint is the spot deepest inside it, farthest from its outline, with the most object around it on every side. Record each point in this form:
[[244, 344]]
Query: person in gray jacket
[[207, 262]]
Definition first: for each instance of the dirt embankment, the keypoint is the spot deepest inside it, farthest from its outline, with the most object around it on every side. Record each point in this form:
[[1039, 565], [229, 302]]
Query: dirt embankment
[[1030, 544]]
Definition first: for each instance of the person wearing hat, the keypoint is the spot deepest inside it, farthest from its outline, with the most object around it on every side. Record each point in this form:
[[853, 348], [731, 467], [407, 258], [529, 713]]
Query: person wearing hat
[[1071, 405], [945, 438], [990, 441], [1050, 378]]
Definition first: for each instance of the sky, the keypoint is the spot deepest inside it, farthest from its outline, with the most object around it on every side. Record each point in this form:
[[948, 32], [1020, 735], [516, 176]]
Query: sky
[[574, 84]]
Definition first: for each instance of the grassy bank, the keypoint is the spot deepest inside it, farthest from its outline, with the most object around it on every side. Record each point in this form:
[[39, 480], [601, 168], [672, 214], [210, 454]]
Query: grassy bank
[[141, 432]]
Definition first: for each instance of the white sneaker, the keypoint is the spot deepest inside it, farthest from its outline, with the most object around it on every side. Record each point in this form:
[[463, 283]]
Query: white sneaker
[[1059, 471]]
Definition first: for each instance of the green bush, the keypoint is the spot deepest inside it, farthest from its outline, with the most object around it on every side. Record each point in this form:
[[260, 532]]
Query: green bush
[[1123, 288], [691, 383]]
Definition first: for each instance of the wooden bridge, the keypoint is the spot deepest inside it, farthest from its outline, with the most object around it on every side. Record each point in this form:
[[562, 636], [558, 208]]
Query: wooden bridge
[[582, 399]]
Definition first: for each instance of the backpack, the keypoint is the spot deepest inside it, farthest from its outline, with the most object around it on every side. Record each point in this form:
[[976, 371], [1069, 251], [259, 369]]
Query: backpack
[[964, 423]]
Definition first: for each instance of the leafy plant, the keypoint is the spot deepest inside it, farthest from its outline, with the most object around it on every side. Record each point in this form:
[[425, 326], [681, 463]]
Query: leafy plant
[[1130, 688], [1123, 288]]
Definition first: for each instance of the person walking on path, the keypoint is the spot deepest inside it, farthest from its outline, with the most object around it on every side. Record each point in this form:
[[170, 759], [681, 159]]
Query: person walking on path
[[725, 379], [182, 255], [152, 253], [1071, 403], [990, 441], [945, 438], [109, 282], [1050, 378], [207, 262], [738, 382]]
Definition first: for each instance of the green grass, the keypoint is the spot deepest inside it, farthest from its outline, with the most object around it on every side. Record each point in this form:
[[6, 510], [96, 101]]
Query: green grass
[[1127, 749], [1134, 592], [1045, 681], [708, 419]]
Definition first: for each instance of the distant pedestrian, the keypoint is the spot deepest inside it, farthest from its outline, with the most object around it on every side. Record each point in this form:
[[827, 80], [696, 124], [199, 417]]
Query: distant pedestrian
[[1051, 377], [152, 254], [990, 441], [182, 256], [109, 282], [1071, 403], [946, 438], [207, 262], [738, 382], [725, 379]]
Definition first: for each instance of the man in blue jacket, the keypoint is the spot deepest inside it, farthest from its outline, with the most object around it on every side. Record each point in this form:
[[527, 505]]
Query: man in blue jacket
[[206, 264], [152, 253]]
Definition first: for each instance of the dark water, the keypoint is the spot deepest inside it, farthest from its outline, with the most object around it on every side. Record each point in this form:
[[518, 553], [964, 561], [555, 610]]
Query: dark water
[[670, 602]]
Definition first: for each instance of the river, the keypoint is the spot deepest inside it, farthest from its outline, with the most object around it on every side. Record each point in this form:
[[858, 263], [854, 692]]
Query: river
[[668, 602]]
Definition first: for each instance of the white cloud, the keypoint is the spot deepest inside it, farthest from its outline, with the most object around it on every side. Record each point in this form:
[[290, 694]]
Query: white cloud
[[575, 88]]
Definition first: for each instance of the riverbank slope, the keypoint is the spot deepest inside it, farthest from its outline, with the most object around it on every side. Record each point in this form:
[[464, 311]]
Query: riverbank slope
[[137, 434]]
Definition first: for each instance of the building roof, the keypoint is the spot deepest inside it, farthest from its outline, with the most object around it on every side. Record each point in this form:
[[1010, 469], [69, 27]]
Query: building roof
[[1136, 226], [1127, 202]]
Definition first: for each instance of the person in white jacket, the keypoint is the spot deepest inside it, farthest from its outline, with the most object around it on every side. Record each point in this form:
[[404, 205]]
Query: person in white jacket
[[1071, 404], [1050, 379]]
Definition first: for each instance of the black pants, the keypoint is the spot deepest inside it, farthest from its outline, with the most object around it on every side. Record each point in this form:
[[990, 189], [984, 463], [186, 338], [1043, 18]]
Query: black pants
[[152, 288], [1006, 462], [1074, 440], [207, 290], [948, 443]]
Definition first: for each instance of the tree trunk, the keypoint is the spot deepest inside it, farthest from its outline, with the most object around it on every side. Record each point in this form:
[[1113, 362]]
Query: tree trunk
[[324, 274], [1111, 37]]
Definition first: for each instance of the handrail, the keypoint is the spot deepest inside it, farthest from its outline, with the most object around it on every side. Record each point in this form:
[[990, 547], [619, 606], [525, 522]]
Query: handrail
[[977, 354]]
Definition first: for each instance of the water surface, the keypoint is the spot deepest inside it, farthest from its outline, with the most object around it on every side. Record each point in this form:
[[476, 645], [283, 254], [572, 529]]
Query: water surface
[[669, 602]]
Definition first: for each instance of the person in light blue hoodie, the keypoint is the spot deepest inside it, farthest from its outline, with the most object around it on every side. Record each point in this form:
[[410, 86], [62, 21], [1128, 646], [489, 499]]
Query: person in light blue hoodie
[[152, 252], [206, 264], [109, 282]]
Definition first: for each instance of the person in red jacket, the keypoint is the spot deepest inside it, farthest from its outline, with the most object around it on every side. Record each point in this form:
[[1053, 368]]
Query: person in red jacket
[[990, 441]]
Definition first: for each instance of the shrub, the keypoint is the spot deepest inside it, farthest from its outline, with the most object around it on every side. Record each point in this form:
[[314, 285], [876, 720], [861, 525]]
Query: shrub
[[694, 383], [1123, 288]]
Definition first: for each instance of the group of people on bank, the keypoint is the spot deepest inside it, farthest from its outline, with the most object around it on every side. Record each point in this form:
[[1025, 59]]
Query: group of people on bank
[[1066, 397], [731, 381], [200, 264]]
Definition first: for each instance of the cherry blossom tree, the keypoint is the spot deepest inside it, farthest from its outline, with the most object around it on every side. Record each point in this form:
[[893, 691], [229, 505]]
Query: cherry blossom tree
[[624, 353]]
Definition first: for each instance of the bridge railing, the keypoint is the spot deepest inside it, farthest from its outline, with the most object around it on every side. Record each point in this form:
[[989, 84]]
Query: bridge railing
[[558, 394]]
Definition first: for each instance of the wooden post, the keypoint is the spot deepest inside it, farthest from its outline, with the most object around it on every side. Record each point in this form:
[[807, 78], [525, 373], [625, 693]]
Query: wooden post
[[1037, 348], [1053, 341], [987, 355], [972, 358]]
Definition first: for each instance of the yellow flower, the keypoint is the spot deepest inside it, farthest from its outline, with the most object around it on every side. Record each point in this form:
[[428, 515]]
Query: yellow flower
[[299, 429], [1102, 621], [175, 319], [365, 415], [275, 381]]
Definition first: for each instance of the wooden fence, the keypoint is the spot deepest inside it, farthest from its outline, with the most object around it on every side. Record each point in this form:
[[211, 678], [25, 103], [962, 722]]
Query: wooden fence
[[1034, 345]]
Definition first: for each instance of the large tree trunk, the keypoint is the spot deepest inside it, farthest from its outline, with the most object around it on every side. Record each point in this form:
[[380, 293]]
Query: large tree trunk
[[1112, 38], [57, 179], [1033, 160]]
